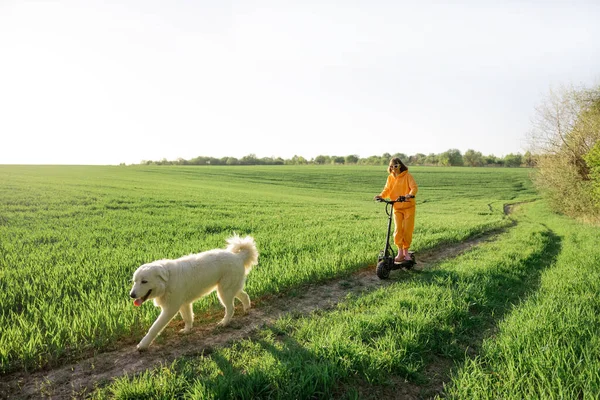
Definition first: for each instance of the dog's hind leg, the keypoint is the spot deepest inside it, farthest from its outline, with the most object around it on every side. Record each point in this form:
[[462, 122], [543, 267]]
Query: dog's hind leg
[[244, 298], [187, 313], [227, 301]]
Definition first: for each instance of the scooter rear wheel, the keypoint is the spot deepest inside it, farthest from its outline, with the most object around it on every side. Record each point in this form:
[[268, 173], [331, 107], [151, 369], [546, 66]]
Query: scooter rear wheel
[[383, 272]]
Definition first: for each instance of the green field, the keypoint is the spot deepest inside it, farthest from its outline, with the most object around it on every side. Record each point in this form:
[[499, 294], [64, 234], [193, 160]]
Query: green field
[[72, 236], [518, 318]]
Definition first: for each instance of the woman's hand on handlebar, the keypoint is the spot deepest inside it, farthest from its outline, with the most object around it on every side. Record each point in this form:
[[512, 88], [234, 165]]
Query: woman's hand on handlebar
[[377, 198], [407, 197]]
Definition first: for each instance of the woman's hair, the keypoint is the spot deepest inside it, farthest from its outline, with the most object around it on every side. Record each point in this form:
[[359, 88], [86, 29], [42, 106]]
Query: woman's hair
[[395, 161]]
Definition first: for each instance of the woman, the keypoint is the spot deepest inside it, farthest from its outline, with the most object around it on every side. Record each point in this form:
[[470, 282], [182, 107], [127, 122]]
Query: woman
[[401, 183]]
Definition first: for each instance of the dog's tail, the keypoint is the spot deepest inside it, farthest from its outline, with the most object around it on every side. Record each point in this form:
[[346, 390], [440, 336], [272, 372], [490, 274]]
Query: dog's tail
[[245, 246]]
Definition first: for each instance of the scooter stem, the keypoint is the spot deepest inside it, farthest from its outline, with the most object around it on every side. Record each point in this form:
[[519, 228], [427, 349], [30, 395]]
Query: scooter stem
[[387, 250]]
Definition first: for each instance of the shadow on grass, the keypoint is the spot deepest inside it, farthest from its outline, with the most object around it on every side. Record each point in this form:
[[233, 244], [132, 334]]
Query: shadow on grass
[[286, 370], [495, 295], [500, 290]]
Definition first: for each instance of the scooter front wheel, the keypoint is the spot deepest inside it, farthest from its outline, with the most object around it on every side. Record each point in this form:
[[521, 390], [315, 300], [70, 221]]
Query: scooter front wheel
[[383, 272]]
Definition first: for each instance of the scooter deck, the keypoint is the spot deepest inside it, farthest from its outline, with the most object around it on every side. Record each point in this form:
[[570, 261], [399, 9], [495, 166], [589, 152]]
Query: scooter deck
[[404, 264]]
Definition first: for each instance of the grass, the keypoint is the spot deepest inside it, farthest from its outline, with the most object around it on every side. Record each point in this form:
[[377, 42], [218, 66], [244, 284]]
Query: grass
[[518, 317], [548, 346], [71, 237]]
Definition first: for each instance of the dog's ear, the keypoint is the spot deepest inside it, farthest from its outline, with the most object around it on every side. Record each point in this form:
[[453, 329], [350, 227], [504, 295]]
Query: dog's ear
[[162, 273]]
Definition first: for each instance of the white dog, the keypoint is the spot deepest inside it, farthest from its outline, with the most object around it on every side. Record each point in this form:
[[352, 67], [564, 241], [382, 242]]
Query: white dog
[[176, 284]]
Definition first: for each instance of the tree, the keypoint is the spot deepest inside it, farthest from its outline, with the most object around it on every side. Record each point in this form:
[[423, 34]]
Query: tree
[[401, 156], [352, 159], [199, 161], [492, 160], [513, 160], [473, 158], [566, 129], [566, 124], [529, 159], [298, 160], [322, 159], [417, 159], [272, 161], [250, 159], [337, 160], [451, 158], [432, 159], [181, 161], [593, 161]]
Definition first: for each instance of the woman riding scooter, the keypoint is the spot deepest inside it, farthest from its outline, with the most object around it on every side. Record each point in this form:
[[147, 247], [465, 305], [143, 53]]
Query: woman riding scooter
[[401, 183]]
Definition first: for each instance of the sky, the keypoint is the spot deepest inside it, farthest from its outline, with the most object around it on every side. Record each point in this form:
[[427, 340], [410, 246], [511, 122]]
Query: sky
[[110, 82]]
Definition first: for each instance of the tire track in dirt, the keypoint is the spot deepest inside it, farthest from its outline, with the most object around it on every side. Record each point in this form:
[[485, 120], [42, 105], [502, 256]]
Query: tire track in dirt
[[78, 378]]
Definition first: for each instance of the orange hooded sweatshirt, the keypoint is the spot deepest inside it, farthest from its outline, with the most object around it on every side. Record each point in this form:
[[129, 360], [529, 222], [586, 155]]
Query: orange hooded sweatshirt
[[400, 185]]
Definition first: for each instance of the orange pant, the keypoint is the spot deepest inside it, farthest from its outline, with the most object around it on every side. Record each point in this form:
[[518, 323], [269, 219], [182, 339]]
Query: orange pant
[[404, 221]]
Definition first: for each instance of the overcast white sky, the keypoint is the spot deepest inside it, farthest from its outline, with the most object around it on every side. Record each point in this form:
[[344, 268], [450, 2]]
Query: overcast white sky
[[105, 82]]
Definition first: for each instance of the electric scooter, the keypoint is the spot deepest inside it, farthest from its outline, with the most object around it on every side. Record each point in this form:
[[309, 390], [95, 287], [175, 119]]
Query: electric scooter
[[385, 262]]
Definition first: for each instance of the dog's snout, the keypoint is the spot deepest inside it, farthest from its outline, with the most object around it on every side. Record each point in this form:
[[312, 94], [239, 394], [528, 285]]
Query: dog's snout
[[132, 295]]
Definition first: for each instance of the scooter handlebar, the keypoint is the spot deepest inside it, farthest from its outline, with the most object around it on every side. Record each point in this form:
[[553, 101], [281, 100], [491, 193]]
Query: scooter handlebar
[[400, 199]]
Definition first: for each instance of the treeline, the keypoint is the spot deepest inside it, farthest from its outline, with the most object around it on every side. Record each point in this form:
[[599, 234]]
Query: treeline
[[566, 137], [452, 157]]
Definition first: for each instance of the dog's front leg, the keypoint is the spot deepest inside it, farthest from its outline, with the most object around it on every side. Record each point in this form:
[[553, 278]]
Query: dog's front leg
[[163, 319]]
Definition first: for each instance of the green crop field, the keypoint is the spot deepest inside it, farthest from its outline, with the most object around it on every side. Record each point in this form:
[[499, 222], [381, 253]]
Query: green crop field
[[71, 237], [518, 318]]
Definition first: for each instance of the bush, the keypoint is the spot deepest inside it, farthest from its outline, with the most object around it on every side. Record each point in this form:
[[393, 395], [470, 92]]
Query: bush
[[565, 136]]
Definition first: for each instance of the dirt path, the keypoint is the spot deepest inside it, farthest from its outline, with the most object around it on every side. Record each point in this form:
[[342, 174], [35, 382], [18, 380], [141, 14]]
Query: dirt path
[[77, 379]]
